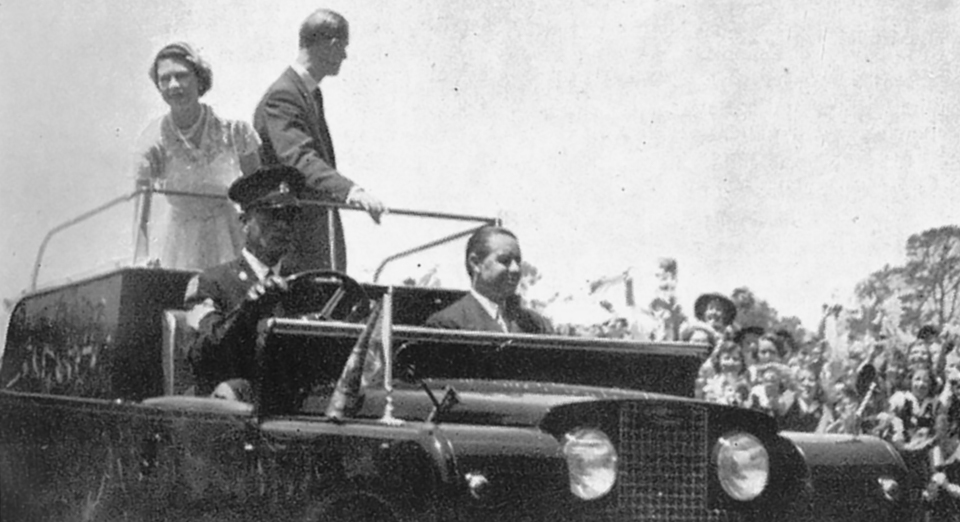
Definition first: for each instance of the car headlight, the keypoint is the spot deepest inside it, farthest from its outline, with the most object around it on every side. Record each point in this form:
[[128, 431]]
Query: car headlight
[[743, 466], [591, 461]]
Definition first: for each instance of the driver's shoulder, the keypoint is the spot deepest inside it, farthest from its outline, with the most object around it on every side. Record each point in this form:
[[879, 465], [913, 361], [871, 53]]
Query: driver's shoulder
[[235, 270], [232, 276]]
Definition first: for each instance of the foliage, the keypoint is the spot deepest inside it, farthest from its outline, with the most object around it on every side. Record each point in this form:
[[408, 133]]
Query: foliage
[[932, 275], [753, 311], [878, 303], [66, 353], [925, 290], [430, 279]]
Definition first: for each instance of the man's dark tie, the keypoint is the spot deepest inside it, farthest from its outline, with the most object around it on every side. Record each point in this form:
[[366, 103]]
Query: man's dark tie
[[327, 144]]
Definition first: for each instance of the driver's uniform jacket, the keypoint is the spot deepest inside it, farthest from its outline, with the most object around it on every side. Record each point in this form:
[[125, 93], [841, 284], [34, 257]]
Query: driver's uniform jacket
[[225, 345]]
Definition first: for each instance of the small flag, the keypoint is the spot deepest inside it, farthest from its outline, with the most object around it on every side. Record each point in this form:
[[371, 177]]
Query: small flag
[[347, 397]]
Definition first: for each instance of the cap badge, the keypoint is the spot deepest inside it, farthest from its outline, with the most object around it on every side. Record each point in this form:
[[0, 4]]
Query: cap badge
[[284, 188]]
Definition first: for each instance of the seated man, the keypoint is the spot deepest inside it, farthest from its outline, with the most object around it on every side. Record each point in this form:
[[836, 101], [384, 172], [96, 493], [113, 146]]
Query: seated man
[[226, 302], [493, 263]]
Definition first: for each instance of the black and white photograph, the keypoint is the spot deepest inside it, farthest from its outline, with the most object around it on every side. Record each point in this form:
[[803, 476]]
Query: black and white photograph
[[461, 260]]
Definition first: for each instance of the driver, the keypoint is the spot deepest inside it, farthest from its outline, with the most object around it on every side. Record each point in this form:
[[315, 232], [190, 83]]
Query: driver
[[226, 302]]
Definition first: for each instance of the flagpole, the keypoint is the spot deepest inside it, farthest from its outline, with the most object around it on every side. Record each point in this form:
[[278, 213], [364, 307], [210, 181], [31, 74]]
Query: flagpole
[[387, 336]]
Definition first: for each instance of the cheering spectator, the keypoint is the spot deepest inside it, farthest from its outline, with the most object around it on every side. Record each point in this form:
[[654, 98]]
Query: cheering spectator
[[771, 392], [919, 357], [943, 492], [769, 350], [913, 411], [894, 369], [728, 382], [702, 334], [843, 410], [717, 311], [808, 412]]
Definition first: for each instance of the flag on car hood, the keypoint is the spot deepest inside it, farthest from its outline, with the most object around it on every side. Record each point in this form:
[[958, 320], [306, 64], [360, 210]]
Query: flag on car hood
[[364, 368]]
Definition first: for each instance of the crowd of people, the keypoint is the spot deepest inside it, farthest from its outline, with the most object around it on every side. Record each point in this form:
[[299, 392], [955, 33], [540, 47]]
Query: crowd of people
[[906, 393]]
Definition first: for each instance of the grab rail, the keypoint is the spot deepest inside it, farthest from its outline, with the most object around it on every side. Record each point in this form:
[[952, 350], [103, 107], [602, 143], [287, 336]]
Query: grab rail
[[142, 249]]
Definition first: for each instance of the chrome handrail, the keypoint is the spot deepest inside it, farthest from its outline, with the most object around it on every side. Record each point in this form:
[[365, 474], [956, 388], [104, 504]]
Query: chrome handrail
[[421, 248], [67, 224], [142, 239]]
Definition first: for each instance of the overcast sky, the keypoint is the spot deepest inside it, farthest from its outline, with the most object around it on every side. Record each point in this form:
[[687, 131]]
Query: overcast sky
[[790, 147]]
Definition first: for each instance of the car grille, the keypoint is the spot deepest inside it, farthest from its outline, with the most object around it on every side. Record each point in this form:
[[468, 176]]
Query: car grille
[[663, 465]]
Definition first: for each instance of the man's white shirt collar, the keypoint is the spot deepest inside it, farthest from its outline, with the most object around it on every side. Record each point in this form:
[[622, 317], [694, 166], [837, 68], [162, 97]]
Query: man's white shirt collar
[[308, 80], [493, 309], [259, 269]]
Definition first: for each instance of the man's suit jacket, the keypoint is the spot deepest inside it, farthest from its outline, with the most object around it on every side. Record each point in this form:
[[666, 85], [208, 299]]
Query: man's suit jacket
[[468, 314], [225, 346], [292, 127]]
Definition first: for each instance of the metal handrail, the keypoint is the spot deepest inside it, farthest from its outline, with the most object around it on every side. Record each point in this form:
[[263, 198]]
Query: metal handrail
[[421, 248], [147, 192], [67, 224]]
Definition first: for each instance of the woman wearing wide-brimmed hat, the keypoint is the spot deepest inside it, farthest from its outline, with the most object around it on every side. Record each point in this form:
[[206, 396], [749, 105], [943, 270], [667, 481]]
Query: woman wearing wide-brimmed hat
[[714, 322], [716, 310]]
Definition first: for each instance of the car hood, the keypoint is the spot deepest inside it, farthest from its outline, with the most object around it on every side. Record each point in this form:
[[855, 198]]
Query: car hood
[[486, 402]]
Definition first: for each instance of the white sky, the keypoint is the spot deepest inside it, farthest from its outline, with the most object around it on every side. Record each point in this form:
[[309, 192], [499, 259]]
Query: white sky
[[791, 147]]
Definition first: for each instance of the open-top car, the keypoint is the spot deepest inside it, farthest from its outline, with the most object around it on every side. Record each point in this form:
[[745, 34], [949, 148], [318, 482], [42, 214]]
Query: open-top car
[[360, 413]]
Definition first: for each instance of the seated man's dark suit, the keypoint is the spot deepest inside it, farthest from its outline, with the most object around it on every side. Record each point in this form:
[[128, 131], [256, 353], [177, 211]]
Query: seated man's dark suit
[[225, 347], [469, 314]]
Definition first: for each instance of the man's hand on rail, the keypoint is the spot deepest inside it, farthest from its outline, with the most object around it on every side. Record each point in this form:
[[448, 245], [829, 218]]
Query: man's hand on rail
[[367, 201]]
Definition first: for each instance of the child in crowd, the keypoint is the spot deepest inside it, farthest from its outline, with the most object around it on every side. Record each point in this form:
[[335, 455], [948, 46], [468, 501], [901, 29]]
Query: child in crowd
[[728, 384]]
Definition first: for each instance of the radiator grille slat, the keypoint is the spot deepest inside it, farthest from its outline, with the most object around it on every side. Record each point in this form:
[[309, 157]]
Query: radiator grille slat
[[663, 465]]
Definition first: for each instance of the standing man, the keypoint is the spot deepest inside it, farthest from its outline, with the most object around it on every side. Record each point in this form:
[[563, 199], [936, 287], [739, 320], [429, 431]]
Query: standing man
[[291, 123], [493, 264], [227, 301]]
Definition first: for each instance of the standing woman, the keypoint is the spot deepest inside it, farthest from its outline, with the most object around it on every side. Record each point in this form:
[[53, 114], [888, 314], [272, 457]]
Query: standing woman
[[191, 149]]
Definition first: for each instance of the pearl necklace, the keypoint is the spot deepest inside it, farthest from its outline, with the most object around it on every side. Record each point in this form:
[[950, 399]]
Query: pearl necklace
[[187, 138]]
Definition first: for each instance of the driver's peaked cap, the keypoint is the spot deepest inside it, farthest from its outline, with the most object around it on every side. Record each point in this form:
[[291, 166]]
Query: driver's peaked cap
[[269, 187]]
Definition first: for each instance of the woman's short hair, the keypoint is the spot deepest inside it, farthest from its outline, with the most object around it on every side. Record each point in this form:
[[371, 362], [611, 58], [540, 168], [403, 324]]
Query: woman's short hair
[[733, 349], [774, 339], [820, 393], [691, 330], [779, 371], [187, 54]]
